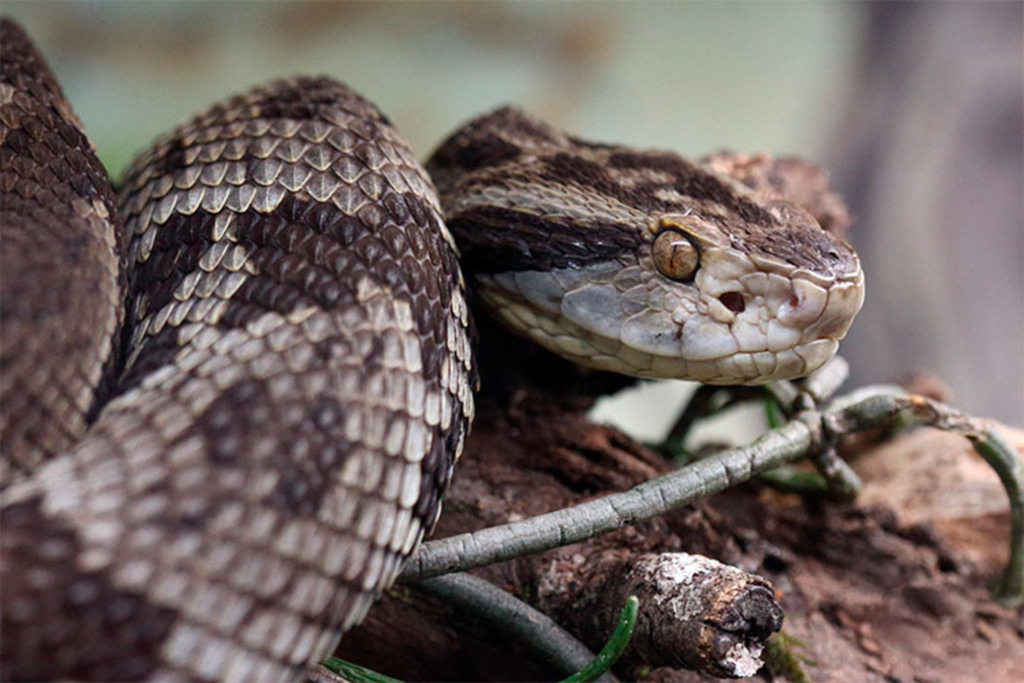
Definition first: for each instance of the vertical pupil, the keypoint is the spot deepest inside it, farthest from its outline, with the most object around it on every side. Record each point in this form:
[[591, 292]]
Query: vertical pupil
[[674, 255], [679, 255]]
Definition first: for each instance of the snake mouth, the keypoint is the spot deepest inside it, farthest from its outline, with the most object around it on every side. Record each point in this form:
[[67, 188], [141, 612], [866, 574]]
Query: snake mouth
[[750, 368], [753, 329], [828, 317], [772, 342]]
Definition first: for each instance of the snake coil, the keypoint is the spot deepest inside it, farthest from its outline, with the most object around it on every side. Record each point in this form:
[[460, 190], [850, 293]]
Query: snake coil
[[296, 391], [232, 397]]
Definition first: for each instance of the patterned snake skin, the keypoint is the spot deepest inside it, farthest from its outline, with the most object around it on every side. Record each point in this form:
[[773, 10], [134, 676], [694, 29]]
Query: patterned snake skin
[[57, 208], [641, 262], [297, 386], [216, 478]]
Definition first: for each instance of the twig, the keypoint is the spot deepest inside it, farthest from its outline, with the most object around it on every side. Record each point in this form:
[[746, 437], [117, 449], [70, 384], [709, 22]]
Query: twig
[[334, 670], [886, 408], [835, 477], [644, 502], [695, 612], [788, 479], [709, 400], [824, 383], [1004, 459], [511, 617], [785, 394], [868, 408], [841, 482], [700, 405]]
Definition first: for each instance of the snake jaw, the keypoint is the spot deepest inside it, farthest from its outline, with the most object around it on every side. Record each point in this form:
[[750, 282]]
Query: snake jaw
[[788, 324], [742, 320], [747, 317]]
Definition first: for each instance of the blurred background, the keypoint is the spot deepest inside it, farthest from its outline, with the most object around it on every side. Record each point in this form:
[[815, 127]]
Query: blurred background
[[916, 108]]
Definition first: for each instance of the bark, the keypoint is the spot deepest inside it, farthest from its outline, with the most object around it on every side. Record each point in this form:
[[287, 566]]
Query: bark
[[695, 613], [873, 589]]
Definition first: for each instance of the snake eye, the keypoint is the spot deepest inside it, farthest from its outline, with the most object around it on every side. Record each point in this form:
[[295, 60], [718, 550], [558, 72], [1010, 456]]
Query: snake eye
[[675, 257]]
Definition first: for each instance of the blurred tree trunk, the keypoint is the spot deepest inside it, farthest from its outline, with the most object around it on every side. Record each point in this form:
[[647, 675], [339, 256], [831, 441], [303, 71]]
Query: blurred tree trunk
[[930, 156]]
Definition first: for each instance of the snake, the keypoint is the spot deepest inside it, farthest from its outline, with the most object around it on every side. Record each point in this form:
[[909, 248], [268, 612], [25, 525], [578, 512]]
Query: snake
[[234, 390]]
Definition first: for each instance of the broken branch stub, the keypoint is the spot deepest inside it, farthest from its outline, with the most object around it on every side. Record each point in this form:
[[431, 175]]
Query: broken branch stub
[[695, 612]]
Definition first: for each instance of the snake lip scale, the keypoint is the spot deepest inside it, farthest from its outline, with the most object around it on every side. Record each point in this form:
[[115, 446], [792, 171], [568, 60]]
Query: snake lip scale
[[224, 493]]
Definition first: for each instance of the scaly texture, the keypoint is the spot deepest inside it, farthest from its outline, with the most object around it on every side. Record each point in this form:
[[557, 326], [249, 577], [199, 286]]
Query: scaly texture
[[297, 379], [640, 261], [60, 280], [298, 388]]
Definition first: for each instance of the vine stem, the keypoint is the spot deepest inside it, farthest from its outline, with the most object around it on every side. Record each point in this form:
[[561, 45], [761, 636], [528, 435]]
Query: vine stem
[[512, 617], [807, 433], [641, 503], [886, 407]]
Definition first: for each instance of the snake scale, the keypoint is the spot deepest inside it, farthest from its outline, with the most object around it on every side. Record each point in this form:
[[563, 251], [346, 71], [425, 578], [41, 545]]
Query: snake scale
[[234, 394]]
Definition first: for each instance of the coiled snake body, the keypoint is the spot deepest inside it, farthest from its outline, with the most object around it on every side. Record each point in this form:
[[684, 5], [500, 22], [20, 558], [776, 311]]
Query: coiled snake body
[[296, 377]]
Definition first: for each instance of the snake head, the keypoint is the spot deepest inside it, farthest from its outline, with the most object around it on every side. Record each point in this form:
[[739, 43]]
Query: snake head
[[746, 306], [642, 262]]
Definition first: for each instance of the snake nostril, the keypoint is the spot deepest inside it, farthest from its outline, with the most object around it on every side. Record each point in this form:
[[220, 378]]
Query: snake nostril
[[733, 301]]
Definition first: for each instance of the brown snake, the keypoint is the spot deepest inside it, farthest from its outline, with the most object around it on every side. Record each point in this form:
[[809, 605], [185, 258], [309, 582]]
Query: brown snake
[[223, 494]]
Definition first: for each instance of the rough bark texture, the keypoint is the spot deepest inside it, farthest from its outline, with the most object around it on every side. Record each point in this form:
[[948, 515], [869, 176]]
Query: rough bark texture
[[695, 612], [893, 586]]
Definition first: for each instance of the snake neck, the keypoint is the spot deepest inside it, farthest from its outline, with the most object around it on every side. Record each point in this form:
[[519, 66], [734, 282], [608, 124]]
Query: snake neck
[[519, 379]]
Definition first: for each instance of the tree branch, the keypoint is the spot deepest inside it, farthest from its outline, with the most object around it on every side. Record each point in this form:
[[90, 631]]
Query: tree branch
[[868, 408], [641, 503]]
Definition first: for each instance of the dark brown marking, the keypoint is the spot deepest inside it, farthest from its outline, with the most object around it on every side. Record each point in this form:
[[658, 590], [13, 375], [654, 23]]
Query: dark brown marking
[[304, 254], [55, 260], [489, 140], [687, 179], [495, 239], [488, 152], [306, 455], [631, 177], [77, 625]]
